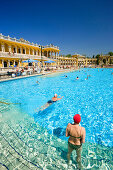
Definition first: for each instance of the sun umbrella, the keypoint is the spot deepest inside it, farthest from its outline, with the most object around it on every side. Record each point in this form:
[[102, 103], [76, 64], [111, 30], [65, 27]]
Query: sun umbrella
[[30, 61], [49, 61]]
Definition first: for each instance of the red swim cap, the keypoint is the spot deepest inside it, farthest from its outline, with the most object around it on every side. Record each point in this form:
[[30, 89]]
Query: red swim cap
[[77, 118]]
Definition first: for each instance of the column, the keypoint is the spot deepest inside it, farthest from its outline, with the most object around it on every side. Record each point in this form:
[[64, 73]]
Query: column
[[55, 55], [8, 63], [19, 63], [36, 52], [40, 53], [9, 47], [3, 47], [51, 54], [58, 54], [15, 49], [21, 50], [29, 51], [25, 50], [14, 63], [33, 51], [3, 63]]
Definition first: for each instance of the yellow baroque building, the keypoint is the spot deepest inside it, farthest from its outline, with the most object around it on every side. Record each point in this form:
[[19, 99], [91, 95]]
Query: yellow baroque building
[[13, 51], [76, 60]]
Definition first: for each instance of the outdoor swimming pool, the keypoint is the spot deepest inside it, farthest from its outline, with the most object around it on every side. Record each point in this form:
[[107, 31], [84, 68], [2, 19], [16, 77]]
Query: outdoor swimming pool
[[92, 99]]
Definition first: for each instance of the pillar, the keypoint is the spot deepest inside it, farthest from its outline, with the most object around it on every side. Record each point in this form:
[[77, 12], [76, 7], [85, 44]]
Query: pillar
[[36, 52], [8, 63], [33, 51], [55, 55], [3, 47], [50, 54], [40, 53], [47, 54], [58, 54], [9, 47], [15, 49], [19, 63], [21, 50], [14, 63], [25, 50], [29, 51], [3, 63]]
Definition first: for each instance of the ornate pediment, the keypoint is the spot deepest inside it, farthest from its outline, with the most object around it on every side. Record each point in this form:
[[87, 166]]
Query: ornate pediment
[[22, 40]]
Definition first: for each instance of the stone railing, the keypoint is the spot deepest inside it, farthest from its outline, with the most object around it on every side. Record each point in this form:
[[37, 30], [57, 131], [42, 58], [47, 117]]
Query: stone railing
[[51, 46], [21, 40], [8, 55], [17, 55]]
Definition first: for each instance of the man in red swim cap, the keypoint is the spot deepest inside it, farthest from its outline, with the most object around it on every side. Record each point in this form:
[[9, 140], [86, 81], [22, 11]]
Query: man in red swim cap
[[76, 135]]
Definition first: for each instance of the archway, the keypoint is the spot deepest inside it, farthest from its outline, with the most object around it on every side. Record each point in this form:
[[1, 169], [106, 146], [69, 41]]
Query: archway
[[16, 63], [5, 63], [104, 61]]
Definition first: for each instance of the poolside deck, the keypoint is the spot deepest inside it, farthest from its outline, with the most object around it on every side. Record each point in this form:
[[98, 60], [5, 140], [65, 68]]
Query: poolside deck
[[36, 74]]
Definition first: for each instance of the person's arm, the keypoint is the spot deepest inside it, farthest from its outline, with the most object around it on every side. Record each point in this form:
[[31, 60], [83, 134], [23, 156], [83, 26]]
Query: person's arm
[[67, 130], [83, 136], [60, 98]]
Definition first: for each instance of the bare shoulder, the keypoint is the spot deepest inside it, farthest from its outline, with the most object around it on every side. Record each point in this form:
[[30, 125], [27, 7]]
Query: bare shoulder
[[69, 124], [83, 129]]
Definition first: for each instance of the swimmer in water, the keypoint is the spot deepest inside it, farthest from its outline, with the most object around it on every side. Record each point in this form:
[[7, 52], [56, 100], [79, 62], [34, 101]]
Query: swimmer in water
[[86, 78], [77, 78], [54, 99], [66, 76], [37, 82]]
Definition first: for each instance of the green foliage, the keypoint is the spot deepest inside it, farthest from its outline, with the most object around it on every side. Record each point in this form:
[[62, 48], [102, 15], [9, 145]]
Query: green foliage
[[110, 53], [97, 56], [68, 55]]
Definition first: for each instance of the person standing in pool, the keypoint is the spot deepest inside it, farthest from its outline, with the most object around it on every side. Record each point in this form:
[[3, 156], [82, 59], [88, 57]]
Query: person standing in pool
[[76, 136]]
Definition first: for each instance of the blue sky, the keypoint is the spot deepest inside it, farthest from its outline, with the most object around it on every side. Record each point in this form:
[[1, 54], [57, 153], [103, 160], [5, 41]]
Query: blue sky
[[76, 26]]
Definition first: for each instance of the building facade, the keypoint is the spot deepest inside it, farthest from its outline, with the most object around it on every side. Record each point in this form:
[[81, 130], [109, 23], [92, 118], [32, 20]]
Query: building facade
[[105, 60], [13, 51]]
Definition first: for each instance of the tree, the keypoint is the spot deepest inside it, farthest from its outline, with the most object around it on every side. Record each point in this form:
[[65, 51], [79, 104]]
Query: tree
[[110, 53], [93, 56], [68, 55], [97, 56]]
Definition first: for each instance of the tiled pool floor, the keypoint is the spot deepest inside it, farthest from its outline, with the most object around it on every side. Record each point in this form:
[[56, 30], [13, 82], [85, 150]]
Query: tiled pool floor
[[26, 145]]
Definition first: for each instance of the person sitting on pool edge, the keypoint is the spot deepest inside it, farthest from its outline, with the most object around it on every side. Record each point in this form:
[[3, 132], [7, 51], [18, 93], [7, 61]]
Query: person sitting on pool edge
[[54, 99], [76, 136]]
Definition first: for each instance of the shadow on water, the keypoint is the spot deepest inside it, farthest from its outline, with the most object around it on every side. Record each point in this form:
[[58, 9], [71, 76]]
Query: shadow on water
[[59, 132]]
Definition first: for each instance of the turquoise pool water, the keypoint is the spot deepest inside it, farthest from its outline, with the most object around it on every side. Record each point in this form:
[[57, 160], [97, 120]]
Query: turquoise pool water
[[92, 99]]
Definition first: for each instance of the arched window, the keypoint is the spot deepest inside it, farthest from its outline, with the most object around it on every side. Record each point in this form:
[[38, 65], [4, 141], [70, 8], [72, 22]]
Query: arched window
[[23, 51], [5, 64]]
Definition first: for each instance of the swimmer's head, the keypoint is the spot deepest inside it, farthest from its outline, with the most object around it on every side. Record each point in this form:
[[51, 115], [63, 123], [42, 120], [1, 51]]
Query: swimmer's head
[[77, 118], [55, 95]]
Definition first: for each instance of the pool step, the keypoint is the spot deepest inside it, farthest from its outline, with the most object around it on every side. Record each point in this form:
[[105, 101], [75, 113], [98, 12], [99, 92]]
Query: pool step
[[31, 130], [35, 155]]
